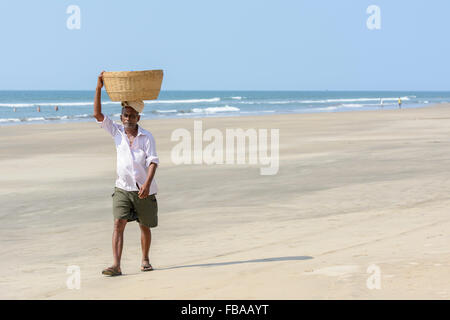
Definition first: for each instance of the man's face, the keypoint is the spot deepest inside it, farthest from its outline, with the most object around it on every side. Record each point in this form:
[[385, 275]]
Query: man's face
[[129, 117]]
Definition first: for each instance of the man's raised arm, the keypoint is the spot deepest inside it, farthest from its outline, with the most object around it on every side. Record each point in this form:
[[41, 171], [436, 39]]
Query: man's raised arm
[[98, 99]]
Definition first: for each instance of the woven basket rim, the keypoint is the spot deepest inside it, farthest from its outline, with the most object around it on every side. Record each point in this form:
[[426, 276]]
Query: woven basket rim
[[109, 74]]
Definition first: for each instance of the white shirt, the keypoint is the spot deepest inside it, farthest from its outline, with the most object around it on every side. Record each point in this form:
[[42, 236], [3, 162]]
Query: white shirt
[[132, 162]]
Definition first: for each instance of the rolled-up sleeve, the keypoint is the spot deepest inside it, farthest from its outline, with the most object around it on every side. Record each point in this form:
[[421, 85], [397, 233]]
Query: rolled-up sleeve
[[108, 125], [150, 151]]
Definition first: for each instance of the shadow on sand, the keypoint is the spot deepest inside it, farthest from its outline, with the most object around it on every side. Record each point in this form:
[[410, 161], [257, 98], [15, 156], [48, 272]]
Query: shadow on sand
[[290, 258]]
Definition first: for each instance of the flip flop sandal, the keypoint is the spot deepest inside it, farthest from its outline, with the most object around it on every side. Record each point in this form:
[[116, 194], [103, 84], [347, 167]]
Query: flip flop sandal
[[145, 268], [111, 272]]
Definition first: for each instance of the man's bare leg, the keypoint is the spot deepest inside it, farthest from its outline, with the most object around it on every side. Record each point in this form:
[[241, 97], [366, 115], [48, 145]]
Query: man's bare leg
[[117, 241], [146, 239]]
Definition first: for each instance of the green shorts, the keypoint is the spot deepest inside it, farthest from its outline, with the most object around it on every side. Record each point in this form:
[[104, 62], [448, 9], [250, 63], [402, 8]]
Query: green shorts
[[127, 205]]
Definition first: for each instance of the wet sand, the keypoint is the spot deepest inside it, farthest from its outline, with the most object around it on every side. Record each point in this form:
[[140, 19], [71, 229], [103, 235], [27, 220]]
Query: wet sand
[[357, 194]]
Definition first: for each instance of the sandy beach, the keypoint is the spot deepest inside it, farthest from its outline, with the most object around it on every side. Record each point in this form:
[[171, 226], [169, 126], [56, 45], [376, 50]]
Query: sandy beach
[[355, 192]]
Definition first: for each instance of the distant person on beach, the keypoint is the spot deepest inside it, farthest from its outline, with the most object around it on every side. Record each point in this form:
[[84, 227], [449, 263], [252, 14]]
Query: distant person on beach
[[38, 109], [135, 189], [381, 103], [56, 108], [399, 103], [14, 109]]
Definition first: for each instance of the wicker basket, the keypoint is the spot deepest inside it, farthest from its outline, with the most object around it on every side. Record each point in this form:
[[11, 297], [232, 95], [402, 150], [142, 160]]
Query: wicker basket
[[133, 85]]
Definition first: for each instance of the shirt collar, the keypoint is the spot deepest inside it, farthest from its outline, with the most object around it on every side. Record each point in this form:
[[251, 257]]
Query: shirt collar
[[140, 130]]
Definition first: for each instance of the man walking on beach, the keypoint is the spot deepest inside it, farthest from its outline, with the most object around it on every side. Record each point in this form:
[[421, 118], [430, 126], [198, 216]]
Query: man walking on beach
[[135, 190]]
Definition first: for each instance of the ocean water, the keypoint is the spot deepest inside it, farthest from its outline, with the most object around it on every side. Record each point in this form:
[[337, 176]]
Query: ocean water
[[18, 107]]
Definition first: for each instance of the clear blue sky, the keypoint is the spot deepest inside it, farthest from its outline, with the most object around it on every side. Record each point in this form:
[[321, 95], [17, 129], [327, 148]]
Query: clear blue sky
[[228, 45]]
